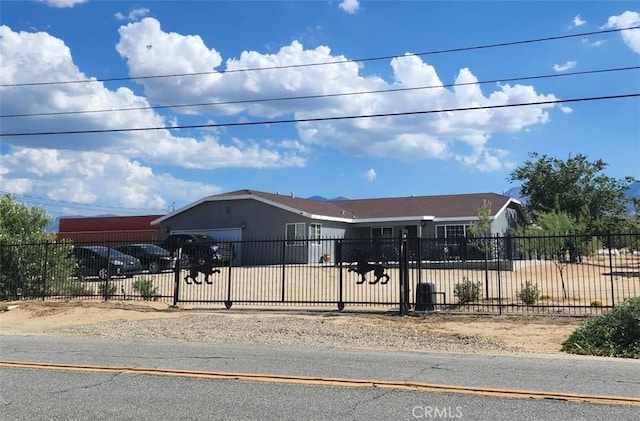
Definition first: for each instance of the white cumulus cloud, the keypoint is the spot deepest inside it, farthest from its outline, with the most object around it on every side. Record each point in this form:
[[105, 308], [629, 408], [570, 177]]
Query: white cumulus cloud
[[564, 67], [589, 43], [628, 19], [350, 6], [409, 137], [62, 3], [227, 93], [578, 21], [370, 175], [135, 14], [87, 177], [29, 57]]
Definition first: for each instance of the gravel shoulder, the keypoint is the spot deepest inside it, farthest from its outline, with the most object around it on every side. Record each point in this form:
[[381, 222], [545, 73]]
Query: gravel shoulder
[[475, 334]]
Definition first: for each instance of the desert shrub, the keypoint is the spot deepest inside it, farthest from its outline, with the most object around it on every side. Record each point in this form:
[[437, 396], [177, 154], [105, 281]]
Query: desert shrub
[[145, 288], [107, 289], [467, 291], [76, 290], [614, 334], [529, 293], [68, 288]]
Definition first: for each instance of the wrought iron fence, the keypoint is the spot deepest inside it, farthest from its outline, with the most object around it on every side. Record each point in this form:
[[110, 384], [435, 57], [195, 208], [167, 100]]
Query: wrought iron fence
[[547, 274]]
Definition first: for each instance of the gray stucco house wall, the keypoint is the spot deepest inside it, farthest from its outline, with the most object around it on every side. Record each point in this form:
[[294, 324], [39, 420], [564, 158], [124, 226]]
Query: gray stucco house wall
[[264, 227], [256, 229]]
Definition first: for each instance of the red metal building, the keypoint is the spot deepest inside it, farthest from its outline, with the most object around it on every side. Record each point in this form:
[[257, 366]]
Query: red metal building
[[109, 230]]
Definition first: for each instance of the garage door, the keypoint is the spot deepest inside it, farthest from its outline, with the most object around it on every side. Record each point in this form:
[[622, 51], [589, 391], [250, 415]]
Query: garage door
[[222, 234]]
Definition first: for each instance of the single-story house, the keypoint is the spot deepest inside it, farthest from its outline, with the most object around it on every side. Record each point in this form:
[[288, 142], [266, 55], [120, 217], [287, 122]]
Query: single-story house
[[255, 215]]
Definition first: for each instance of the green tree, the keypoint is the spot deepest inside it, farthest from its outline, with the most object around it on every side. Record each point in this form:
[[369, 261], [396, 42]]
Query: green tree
[[575, 186], [32, 263], [481, 230], [551, 238], [482, 226]]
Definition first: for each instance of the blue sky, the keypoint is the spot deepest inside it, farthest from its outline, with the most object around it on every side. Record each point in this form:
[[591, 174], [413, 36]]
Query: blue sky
[[151, 171]]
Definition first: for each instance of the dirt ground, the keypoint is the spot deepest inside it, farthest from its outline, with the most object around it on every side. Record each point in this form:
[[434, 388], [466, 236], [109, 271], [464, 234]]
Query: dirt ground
[[530, 334]]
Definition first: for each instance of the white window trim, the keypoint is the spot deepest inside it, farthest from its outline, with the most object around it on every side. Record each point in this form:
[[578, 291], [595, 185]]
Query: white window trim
[[312, 233], [299, 227], [465, 228], [382, 230]]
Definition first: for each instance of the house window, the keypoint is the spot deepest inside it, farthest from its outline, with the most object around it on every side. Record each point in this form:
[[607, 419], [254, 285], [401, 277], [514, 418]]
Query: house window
[[451, 231], [227, 210], [295, 232], [315, 233], [382, 232]]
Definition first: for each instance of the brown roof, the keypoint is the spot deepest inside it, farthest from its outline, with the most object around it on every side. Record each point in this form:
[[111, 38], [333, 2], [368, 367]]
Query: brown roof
[[316, 207], [442, 206]]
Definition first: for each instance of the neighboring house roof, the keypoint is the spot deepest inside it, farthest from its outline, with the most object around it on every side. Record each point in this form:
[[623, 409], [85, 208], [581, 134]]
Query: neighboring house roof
[[442, 207]]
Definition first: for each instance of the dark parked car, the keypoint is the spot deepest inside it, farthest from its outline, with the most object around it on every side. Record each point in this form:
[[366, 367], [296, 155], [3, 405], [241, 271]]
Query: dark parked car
[[152, 257], [199, 248], [105, 262]]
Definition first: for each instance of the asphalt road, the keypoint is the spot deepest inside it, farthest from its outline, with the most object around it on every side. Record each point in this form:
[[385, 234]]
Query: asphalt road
[[44, 393]]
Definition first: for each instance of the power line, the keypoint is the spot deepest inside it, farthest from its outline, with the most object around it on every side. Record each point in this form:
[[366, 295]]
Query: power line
[[306, 120], [307, 97], [74, 205], [362, 60]]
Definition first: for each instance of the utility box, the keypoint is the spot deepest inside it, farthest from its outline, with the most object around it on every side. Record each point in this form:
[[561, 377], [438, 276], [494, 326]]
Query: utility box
[[425, 296]]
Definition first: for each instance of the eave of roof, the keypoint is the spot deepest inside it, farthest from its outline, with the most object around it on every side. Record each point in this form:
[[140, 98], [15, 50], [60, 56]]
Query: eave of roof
[[357, 211]]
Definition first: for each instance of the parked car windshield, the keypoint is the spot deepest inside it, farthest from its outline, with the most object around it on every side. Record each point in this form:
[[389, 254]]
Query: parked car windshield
[[107, 252], [153, 249], [204, 238]]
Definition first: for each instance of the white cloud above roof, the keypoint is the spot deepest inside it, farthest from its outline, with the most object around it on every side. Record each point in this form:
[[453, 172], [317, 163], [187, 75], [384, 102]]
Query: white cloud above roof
[[62, 3], [350, 6], [627, 19], [564, 67], [370, 175], [135, 14], [589, 43], [578, 21], [41, 57], [86, 176], [145, 48]]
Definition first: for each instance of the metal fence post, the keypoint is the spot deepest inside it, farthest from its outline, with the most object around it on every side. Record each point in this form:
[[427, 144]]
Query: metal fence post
[[613, 294], [499, 277], [228, 302], [105, 292], [485, 245], [284, 265], [403, 266], [43, 287], [340, 279], [176, 279], [419, 259]]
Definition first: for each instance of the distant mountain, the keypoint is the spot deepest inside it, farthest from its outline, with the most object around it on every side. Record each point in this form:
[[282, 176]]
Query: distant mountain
[[634, 192], [55, 225], [324, 199], [516, 193]]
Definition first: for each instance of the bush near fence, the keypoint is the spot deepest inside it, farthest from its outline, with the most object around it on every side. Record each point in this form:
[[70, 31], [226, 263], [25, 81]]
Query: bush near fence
[[586, 274]]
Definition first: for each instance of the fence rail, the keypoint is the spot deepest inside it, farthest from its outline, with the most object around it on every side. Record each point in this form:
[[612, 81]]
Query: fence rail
[[573, 275]]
